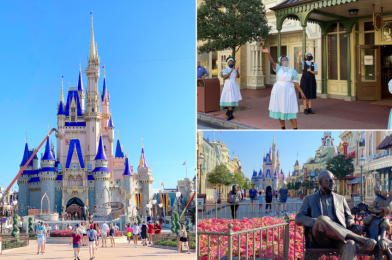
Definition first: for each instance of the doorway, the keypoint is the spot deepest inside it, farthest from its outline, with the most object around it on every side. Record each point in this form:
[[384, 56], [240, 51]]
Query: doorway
[[369, 72], [386, 70], [74, 209]]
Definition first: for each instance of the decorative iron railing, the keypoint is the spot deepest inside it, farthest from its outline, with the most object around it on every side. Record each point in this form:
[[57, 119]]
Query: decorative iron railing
[[39, 211], [115, 215]]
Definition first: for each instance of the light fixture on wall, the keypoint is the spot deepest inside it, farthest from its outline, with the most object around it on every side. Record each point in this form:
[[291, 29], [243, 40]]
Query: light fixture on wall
[[353, 11]]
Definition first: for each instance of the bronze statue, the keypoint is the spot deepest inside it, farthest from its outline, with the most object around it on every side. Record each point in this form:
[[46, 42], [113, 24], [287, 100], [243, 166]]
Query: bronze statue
[[377, 224], [328, 221]]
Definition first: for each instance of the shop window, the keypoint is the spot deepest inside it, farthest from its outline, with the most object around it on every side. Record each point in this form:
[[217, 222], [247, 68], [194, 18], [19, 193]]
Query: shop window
[[332, 57], [333, 28], [274, 55], [341, 28], [368, 26], [357, 27], [369, 38], [343, 55], [297, 66]]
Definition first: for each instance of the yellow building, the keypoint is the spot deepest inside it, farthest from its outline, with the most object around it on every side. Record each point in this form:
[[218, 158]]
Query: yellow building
[[211, 154]]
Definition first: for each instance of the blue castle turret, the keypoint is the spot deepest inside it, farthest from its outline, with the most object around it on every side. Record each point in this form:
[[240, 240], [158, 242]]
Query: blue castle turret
[[48, 175]]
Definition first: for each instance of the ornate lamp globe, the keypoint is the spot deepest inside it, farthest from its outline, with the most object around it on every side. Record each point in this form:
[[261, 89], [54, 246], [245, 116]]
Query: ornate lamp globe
[[178, 194], [1, 195], [15, 202], [154, 201], [160, 205]]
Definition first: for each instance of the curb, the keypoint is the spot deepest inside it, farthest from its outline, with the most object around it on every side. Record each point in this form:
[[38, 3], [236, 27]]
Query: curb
[[171, 248], [15, 249], [222, 122]]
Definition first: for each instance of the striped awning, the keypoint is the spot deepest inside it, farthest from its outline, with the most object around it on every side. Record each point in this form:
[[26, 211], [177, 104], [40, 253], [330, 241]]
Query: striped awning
[[386, 143]]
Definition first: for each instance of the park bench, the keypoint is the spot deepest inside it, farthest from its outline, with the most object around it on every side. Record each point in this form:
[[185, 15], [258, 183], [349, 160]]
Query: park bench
[[359, 212]]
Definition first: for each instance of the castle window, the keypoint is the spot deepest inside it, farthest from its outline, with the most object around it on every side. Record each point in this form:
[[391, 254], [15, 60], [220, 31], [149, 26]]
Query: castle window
[[72, 109], [93, 109], [72, 118], [93, 129]]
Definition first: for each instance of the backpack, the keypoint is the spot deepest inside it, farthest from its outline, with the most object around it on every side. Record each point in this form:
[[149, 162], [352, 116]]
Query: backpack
[[251, 194], [40, 231], [91, 236], [269, 195], [233, 198]]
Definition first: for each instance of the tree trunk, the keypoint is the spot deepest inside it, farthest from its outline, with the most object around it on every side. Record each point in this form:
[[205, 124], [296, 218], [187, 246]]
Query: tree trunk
[[233, 52], [342, 187]]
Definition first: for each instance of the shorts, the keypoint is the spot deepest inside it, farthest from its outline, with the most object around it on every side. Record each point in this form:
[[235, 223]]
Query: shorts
[[149, 235], [76, 246], [45, 238], [104, 236], [84, 235], [260, 204], [283, 200], [253, 198], [91, 244], [144, 236], [40, 240], [129, 234], [136, 235], [183, 239]]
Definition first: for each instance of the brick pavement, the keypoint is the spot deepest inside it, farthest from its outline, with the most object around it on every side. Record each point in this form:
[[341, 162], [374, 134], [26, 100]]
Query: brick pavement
[[121, 251], [329, 113]]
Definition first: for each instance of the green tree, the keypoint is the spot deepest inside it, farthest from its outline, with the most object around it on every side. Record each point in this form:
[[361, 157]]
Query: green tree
[[15, 228], [340, 167], [247, 184], [311, 183], [188, 225], [192, 214], [175, 221], [220, 176], [31, 230], [239, 180], [223, 24]]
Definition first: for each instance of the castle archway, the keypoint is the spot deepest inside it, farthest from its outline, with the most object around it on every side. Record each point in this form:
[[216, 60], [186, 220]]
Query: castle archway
[[74, 207]]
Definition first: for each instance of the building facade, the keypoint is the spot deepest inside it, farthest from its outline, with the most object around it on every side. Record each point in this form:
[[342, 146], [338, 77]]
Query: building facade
[[85, 170]]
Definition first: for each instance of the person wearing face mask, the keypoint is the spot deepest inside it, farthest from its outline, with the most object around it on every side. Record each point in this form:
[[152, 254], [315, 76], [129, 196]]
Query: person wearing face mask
[[231, 90], [283, 102], [308, 80], [201, 71]]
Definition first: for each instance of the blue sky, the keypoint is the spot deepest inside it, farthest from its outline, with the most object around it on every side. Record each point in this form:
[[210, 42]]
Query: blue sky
[[148, 49], [249, 146]]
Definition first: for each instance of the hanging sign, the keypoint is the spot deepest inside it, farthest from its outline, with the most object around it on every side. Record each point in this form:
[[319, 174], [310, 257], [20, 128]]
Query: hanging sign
[[59, 167], [368, 60]]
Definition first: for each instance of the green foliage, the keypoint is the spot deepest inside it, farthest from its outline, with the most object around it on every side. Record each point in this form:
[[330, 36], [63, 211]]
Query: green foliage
[[31, 230], [187, 225], [239, 179], [139, 220], [340, 166], [311, 183], [223, 24], [15, 228], [220, 176], [192, 213], [176, 226], [293, 186], [247, 183]]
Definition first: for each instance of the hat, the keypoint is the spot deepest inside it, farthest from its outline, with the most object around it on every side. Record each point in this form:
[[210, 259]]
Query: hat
[[284, 56], [308, 53], [77, 225], [91, 226], [230, 59]]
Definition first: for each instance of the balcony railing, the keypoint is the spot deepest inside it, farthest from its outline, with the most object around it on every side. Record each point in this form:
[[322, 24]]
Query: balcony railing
[[33, 212]]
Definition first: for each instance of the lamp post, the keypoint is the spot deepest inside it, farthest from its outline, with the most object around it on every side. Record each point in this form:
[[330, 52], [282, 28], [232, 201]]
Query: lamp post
[[361, 163], [178, 195], [201, 160]]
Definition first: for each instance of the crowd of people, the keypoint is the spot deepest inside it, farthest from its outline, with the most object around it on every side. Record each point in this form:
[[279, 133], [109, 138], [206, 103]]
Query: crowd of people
[[258, 197]]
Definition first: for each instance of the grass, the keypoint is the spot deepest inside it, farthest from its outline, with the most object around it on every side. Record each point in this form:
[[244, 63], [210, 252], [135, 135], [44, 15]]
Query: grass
[[172, 242]]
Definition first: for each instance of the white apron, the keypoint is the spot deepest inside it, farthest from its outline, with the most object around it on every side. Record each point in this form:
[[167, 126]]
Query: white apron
[[231, 90], [283, 97]]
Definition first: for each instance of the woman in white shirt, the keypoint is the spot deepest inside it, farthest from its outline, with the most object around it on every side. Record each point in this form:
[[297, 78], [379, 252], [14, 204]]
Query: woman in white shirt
[[135, 233]]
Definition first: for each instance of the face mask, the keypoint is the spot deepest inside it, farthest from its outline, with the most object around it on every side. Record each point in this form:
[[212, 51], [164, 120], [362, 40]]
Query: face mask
[[285, 63], [198, 66], [309, 58], [231, 66]]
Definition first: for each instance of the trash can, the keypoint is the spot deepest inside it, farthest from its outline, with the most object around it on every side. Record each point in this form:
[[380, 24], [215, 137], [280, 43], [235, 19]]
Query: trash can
[[208, 95]]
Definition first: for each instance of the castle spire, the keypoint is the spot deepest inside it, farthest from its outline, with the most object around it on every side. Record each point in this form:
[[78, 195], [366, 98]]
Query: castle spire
[[80, 82], [92, 44], [48, 153], [142, 161], [127, 170], [274, 140], [101, 152], [62, 94]]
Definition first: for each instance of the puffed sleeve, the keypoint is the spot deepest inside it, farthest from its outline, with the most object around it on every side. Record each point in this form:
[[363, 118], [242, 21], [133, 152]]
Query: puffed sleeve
[[315, 66], [390, 86], [294, 76], [225, 71], [277, 68]]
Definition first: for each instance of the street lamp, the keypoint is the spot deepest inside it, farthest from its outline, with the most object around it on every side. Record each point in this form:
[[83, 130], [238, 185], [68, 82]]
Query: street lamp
[[361, 163], [201, 160], [178, 195]]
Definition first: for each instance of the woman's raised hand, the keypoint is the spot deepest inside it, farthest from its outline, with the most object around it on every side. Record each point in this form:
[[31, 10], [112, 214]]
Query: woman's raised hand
[[265, 50], [300, 53]]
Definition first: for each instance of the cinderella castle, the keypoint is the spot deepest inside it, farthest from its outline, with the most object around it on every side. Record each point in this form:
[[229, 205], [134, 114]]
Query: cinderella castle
[[85, 170], [271, 174]]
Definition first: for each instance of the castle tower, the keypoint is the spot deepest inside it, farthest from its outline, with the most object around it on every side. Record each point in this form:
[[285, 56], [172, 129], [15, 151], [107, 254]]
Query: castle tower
[[92, 115], [128, 178], [104, 104], [273, 151], [146, 179], [101, 175], [48, 174], [118, 160], [24, 193], [110, 131], [80, 88]]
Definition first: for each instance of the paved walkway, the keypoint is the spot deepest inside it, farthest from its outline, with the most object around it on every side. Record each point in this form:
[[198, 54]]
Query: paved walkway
[[329, 113], [121, 251]]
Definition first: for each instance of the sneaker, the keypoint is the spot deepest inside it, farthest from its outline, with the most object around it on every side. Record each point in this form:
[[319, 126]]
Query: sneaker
[[306, 112], [310, 111], [37, 253], [135, 246]]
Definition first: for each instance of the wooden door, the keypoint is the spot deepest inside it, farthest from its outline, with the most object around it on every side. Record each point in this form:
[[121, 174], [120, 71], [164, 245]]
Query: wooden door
[[369, 72]]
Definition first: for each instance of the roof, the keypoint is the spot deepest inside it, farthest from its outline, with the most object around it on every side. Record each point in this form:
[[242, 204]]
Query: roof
[[90, 177], [101, 169], [268, 173], [119, 153], [73, 94], [34, 179], [288, 3], [80, 82], [296, 163], [386, 143], [48, 151], [101, 152], [275, 175], [31, 172], [143, 159], [48, 169], [25, 155], [61, 109], [110, 124], [127, 170], [74, 144], [75, 123], [59, 178], [104, 90], [254, 173], [354, 181], [261, 173]]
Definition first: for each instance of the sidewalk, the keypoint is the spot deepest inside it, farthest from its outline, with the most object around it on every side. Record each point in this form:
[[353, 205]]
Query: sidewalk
[[329, 113]]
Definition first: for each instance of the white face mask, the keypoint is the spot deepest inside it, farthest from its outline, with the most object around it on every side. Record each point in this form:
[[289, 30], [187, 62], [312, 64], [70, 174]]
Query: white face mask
[[285, 63]]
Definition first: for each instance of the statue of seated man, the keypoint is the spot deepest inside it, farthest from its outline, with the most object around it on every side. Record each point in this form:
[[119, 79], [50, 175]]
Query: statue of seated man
[[328, 221]]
